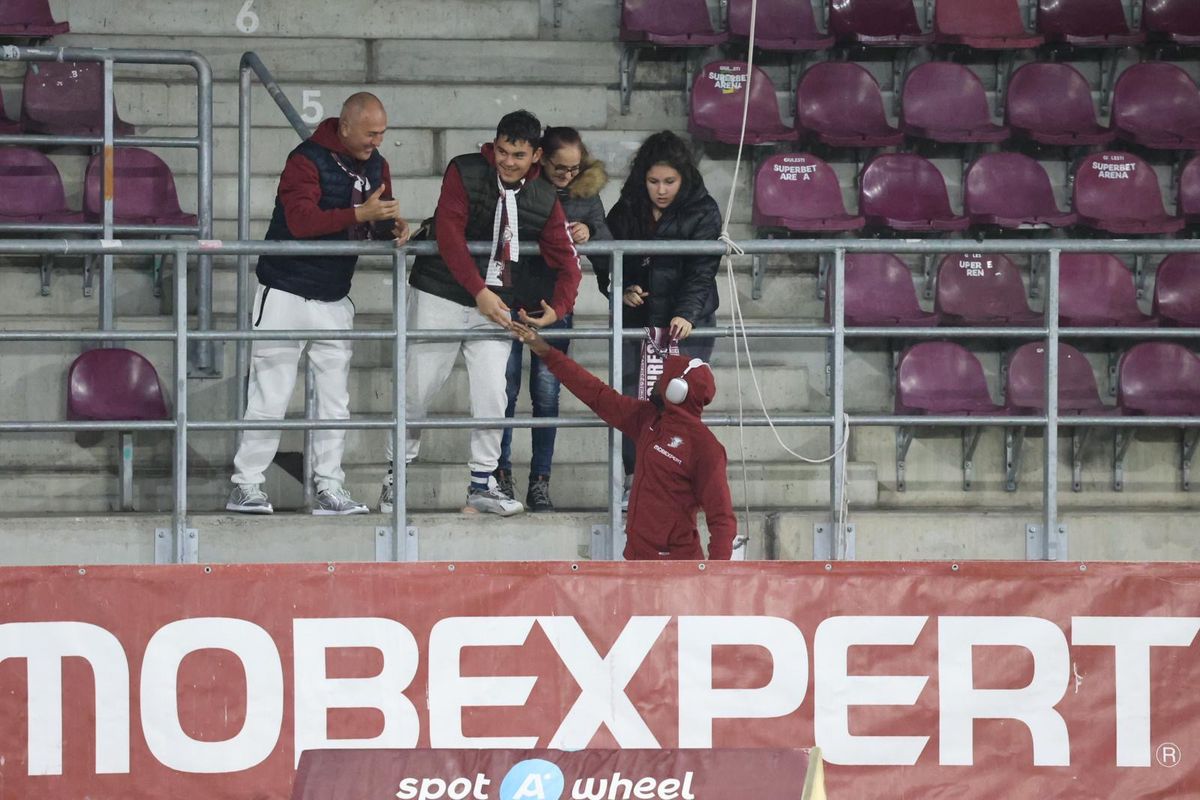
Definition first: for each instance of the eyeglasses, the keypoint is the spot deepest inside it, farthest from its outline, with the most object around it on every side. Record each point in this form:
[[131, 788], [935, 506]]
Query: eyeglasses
[[562, 169]]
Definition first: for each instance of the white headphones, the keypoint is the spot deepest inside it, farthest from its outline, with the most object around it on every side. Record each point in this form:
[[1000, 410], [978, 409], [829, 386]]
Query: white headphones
[[677, 388]]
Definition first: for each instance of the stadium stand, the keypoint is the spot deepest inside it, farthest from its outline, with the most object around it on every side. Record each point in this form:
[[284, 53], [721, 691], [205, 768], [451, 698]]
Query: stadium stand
[[1051, 104], [717, 99], [978, 289], [1086, 23], [946, 102], [783, 25], [1119, 193], [1157, 105], [29, 18], [906, 192], [1096, 290], [839, 104], [800, 192], [1011, 190], [982, 25], [1177, 290]]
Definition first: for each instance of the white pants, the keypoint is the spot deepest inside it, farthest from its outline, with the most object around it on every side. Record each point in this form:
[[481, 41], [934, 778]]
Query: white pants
[[430, 363], [273, 367]]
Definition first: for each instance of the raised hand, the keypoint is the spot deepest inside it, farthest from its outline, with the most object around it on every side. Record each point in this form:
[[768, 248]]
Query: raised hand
[[491, 306], [376, 208], [539, 319]]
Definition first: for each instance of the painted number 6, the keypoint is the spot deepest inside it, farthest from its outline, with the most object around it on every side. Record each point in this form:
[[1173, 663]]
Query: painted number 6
[[247, 20], [313, 110]]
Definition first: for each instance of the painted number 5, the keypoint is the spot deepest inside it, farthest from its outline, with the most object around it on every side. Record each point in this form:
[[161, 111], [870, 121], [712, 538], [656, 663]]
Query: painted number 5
[[313, 110], [247, 20]]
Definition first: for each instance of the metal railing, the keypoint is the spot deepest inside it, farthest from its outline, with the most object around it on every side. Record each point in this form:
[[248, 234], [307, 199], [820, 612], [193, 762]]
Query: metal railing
[[838, 544], [202, 142]]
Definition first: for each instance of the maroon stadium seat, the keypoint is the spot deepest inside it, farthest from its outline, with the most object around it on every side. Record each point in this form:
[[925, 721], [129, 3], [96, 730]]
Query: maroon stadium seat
[[880, 291], [906, 192], [786, 25], [942, 378], [839, 103], [114, 384], [31, 190], [66, 99], [1159, 379], [1177, 290], [946, 102], [144, 190], [1176, 21], [1157, 105], [982, 289], [800, 192], [717, 99], [1189, 192], [982, 24], [1052, 104], [1011, 190], [1086, 23], [669, 23], [1118, 193], [29, 18], [1025, 387], [1095, 290], [877, 23]]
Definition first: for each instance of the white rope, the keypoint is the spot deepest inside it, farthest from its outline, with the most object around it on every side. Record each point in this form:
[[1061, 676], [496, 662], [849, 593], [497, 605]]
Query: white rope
[[739, 324]]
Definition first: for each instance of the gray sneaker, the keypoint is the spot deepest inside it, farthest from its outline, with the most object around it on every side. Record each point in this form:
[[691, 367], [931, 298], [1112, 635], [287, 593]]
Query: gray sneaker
[[249, 498], [493, 501], [337, 502], [387, 494]]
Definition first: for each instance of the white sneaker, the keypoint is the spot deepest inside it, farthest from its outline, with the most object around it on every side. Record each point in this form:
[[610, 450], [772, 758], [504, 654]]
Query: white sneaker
[[493, 501], [249, 498], [337, 502], [387, 494]]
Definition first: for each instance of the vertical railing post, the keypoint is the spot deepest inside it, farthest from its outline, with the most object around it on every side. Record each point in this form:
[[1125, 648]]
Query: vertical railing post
[[204, 210], [1050, 453], [837, 488], [399, 404], [179, 452], [243, 313], [108, 162], [616, 468]]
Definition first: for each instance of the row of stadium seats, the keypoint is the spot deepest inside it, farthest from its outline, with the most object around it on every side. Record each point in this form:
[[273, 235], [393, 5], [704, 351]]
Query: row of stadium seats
[[840, 104], [789, 25], [1113, 192], [1095, 290]]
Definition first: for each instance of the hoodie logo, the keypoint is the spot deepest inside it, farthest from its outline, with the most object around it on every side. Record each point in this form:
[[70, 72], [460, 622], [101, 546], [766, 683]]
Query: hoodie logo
[[675, 442]]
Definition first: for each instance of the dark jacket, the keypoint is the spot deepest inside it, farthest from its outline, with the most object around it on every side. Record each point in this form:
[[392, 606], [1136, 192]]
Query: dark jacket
[[314, 201], [679, 286], [581, 199], [466, 212]]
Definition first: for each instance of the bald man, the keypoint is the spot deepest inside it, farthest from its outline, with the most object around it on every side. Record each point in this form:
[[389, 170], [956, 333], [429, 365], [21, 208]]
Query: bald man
[[335, 187]]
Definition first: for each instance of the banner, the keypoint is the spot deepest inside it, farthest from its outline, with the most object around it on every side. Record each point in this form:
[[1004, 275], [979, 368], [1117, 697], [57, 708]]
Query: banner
[[923, 681]]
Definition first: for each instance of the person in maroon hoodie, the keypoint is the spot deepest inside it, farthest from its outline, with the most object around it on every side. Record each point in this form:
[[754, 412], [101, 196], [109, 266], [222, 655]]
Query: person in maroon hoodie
[[335, 186], [680, 464], [492, 196]]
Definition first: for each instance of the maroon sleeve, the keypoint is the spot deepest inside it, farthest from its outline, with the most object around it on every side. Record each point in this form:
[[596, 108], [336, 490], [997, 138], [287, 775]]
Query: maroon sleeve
[[385, 177], [300, 194], [710, 482], [626, 414], [451, 225], [559, 253]]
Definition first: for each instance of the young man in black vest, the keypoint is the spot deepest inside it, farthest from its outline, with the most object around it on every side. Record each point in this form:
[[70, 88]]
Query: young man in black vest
[[491, 196], [335, 186]]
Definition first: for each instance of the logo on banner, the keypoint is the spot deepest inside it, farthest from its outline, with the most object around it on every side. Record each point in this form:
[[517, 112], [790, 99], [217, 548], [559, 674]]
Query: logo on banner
[[535, 779]]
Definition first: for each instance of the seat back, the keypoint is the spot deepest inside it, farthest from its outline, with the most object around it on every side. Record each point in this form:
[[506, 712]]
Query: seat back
[[797, 186], [941, 94], [1011, 185], [666, 17], [1096, 289], [903, 186], [66, 97], [879, 290], [1177, 289], [1081, 17], [979, 289], [113, 383], [26, 13], [1156, 96], [1025, 387], [1189, 189], [941, 378], [1171, 16], [839, 96], [1051, 98], [143, 186], [1159, 378], [848, 18], [29, 183], [980, 18], [1117, 185], [778, 19], [718, 96]]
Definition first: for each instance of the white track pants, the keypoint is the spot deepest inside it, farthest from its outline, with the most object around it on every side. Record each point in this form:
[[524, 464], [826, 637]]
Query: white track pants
[[430, 364], [273, 368]]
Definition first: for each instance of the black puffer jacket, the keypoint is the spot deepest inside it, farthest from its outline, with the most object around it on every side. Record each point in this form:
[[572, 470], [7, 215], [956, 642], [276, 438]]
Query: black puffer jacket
[[679, 286]]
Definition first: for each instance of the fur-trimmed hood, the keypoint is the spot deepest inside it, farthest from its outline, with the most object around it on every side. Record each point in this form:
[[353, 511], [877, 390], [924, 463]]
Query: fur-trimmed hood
[[590, 180]]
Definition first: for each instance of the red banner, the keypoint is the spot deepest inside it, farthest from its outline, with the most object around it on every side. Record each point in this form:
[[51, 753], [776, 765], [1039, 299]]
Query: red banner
[[916, 680]]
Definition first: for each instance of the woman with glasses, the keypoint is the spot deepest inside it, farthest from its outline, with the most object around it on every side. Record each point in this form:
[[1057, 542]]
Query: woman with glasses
[[664, 198], [577, 178]]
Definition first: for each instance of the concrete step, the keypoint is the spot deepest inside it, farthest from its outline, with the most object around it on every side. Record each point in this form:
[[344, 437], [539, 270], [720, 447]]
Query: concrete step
[[355, 19]]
